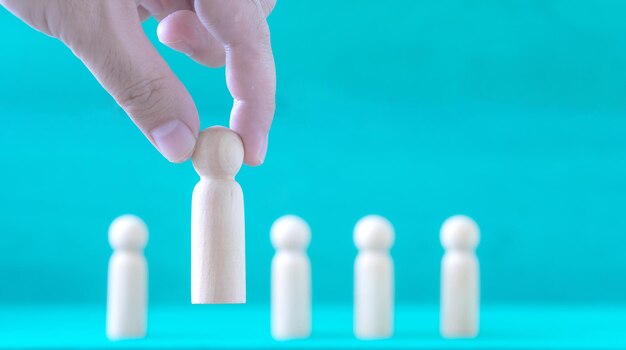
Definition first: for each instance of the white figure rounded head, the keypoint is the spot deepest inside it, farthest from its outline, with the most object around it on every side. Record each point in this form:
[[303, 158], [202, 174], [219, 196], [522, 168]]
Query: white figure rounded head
[[218, 153], [374, 232], [128, 232], [290, 232], [460, 232]]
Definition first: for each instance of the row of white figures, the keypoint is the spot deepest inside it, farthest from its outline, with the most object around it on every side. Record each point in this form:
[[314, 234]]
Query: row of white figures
[[291, 278], [373, 279]]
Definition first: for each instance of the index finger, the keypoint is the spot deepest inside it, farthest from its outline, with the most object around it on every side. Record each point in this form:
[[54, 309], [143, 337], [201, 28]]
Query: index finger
[[250, 70]]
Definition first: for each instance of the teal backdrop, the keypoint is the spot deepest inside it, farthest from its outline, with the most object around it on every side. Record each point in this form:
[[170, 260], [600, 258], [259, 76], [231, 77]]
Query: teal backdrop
[[509, 111]]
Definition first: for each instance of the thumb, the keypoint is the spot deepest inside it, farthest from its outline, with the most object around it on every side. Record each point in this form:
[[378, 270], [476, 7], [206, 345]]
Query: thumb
[[126, 64]]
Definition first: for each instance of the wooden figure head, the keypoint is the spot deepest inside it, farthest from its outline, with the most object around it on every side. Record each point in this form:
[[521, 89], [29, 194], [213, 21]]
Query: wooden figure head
[[218, 154]]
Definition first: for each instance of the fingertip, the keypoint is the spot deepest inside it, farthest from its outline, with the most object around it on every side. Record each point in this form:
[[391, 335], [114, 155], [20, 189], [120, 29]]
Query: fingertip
[[175, 140], [262, 152], [255, 147], [177, 26], [256, 156], [183, 32], [164, 31]]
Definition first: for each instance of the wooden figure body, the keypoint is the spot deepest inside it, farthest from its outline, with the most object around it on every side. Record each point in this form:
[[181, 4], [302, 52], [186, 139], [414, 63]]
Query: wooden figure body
[[218, 262], [459, 278], [373, 278], [127, 279], [291, 279]]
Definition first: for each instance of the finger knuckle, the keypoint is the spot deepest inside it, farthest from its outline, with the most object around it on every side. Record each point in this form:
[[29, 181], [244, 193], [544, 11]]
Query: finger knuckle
[[141, 97], [74, 22]]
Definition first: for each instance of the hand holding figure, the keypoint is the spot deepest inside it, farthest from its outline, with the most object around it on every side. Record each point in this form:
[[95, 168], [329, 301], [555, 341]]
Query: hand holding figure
[[107, 36]]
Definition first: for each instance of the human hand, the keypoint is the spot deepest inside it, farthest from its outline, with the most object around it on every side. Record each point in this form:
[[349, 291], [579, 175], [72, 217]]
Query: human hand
[[107, 36]]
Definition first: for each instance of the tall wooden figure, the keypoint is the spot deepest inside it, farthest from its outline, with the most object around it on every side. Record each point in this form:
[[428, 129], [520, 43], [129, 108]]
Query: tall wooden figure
[[373, 278], [459, 278], [127, 294], [291, 279], [218, 262]]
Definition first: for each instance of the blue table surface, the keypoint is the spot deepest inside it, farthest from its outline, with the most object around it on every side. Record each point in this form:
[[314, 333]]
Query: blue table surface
[[247, 326]]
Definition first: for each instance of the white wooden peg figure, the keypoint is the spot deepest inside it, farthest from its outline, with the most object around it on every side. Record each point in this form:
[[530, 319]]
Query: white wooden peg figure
[[218, 262], [373, 278], [459, 278], [128, 279], [291, 279]]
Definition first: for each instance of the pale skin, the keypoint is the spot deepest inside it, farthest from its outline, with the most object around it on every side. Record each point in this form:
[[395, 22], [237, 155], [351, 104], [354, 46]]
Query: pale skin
[[108, 38]]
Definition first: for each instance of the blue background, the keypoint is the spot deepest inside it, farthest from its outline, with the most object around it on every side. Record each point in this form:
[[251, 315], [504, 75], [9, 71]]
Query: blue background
[[509, 111]]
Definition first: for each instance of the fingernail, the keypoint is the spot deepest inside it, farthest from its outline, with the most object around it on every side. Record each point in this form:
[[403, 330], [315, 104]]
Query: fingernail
[[182, 47], [262, 151], [174, 140]]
